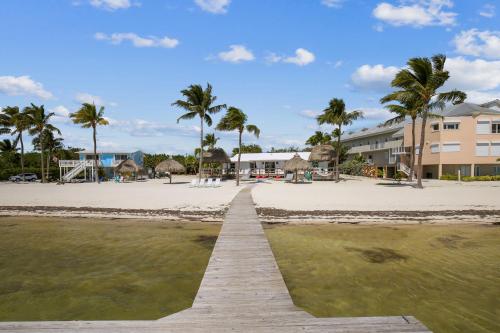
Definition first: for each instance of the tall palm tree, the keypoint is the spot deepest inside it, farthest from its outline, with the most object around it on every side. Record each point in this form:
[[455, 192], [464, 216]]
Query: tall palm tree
[[40, 123], [210, 141], [319, 138], [199, 102], [235, 120], [15, 122], [424, 77], [335, 114], [410, 108], [88, 117], [50, 143]]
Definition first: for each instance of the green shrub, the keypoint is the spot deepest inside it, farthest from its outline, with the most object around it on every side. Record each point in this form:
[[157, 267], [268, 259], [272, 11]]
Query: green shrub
[[448, 176], [353, 167], [481, 178]]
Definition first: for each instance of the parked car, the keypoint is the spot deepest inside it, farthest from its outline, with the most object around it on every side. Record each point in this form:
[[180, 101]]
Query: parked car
[[29, 177]]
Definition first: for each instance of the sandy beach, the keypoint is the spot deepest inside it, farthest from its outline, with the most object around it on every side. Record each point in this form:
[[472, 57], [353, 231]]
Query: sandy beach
[[354, 200]]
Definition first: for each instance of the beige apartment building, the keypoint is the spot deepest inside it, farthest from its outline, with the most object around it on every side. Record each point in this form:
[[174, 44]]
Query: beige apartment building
[[465, 139]]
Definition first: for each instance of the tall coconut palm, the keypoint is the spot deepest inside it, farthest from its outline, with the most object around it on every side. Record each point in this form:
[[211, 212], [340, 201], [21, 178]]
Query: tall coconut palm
[[88, 117], [423, 78], [235, 120], [210, 141], [40, 122], [50, 144], [319, 138], [16, 123], [409, 108], [199, 102], [335, 114]]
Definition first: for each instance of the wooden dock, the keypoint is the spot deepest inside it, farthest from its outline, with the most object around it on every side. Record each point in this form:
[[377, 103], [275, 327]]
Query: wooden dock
[[242, 291]]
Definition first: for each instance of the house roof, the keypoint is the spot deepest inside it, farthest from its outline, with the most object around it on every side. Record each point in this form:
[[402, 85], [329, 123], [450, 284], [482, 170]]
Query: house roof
[[394, 128], [261, 157], [91, 152], [468, 109]]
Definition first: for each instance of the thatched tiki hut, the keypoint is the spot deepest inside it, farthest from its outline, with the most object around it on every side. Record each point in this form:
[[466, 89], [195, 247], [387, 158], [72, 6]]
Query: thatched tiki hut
[[215, 156], [169, 166], [128, 167], [295, 164], [322, 153]]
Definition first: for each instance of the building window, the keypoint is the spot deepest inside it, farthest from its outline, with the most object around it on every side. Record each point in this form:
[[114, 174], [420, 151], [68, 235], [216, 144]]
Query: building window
[[121, 157], [495, 149], [495, 128], [483, 127], [450, 147], [435, 127], [482, 149], [435, 148], [451, 126], [253, 165]]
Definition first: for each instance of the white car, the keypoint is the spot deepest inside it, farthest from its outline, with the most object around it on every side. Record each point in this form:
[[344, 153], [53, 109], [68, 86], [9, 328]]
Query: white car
[[29, 177]]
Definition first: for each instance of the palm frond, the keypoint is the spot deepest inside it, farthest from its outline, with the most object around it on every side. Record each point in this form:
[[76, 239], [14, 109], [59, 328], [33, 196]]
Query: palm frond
[[253, 129]]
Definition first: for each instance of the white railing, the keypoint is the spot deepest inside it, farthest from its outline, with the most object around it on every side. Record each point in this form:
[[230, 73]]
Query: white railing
[[400, 151], [376, 146], [404, 168], [74, 163]]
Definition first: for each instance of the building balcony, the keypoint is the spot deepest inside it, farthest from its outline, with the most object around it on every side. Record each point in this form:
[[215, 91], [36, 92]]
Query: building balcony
[[376, 146]]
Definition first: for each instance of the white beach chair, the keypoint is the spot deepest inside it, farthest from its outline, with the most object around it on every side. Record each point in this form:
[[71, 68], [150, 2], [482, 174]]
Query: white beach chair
[[210, 182], [217, 182], [202, 183], [289, 177], [194, 183]]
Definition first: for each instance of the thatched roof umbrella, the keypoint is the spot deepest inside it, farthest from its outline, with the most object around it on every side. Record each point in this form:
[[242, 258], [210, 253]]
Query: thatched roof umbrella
[[127, 166], [170, 166], [295, 164], [322, 153], [216, 155]]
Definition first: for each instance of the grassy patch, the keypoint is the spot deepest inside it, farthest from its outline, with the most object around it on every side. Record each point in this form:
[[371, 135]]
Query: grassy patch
[[446, 276], [86, 269]]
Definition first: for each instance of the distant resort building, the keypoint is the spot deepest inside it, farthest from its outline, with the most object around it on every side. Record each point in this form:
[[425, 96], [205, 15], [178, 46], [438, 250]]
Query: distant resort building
[[465, 139], [70, 169]]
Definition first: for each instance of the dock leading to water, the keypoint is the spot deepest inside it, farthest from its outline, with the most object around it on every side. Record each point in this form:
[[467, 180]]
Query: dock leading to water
[[242, 291]]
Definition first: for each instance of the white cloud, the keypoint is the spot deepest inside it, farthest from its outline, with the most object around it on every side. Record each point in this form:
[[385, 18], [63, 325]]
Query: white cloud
[[374, 78], [338, 64], [61, 114], [23, 85], [488, 11], [236, 54], [332, 3], [145, 128], [478, 43], [113, 4], [378, 114], [309, 114], [416, 13], [302, 57], [89, 98], [478, 74], [480, 97], [213, 6], [138, 41]]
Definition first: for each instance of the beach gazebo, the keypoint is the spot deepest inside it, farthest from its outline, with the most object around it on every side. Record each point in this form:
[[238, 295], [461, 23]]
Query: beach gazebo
[[169, 166], [216, 156], [322, 153], [295, 164], [128, 167]]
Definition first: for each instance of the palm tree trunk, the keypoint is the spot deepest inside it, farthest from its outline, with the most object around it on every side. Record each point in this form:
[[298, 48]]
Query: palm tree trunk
[[421, 149], [412, 156], [22, 153], [201, 148], [41, 159], [48, 164], [238, 163], [337, 157], [96, 165]]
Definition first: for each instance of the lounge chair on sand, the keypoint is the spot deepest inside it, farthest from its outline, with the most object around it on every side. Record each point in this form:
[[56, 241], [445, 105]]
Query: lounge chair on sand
[[289, 177], [194, 183]]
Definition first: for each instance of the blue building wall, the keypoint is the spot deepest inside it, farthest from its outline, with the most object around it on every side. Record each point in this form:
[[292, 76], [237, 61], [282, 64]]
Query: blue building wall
[[108, 158]]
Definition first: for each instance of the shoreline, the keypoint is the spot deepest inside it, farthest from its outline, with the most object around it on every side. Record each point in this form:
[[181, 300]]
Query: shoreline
[[267, 215]]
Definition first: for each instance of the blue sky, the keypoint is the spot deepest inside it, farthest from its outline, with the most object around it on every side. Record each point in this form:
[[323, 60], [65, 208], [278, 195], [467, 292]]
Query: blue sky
[[278, 60]]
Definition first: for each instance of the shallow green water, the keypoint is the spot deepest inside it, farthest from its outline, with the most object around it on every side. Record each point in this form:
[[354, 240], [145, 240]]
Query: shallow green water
[[67, 269], [446, 276]]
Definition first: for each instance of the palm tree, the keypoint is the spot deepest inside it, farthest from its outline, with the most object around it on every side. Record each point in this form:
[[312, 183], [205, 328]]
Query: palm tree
[[89, 117], [336, 114], [319, 138], [7, 147], [199, 103], [210, 141], [235, 120], [408, 108], [423, 78], [15, 122], [50, 143], [40, 123]]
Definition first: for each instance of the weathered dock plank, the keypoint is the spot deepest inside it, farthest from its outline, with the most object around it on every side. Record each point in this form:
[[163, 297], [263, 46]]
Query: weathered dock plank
[[242, 291]]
